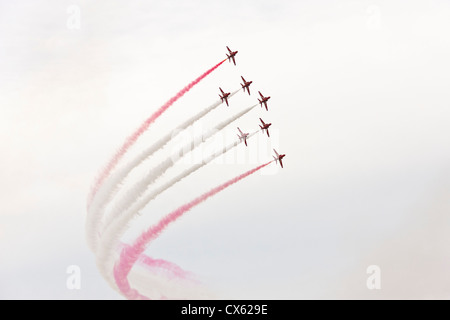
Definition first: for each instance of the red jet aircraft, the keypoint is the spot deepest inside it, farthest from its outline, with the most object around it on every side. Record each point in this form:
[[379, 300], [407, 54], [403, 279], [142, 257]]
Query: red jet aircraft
[[224, 96], [263, 100], [265, 126], [231, 55], [246, 85], [278, 157]]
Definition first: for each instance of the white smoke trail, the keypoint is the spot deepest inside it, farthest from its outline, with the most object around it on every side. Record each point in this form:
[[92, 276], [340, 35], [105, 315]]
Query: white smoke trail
[[111, 236], [141, 186], [111, 185], [131, 254]]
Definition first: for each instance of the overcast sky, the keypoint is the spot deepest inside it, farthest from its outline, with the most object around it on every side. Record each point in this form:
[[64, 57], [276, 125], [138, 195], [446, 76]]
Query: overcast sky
[[360, 106]]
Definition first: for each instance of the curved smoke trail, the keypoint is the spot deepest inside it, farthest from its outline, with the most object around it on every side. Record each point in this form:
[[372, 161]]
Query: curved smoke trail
[[117, 226], [110, 185], [130, 254], [91, 219], [141, 186], [169, 269]]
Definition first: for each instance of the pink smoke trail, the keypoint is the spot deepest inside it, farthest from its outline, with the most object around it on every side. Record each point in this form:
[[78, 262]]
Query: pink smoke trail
[[170, 269], [144, 126], [130, 254]]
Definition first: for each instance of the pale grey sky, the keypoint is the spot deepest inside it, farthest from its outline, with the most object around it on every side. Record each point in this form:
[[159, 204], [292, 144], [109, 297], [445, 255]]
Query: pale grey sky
[[359, 104]]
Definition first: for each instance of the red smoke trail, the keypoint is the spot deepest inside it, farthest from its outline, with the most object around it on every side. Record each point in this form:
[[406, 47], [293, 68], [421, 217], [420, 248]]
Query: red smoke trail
[[171, 270], [133, 138], [130, 254]]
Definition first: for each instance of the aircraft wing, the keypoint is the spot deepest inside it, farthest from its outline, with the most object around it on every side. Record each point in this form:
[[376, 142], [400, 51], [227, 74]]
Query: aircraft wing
[[276, 153], [281, 163]]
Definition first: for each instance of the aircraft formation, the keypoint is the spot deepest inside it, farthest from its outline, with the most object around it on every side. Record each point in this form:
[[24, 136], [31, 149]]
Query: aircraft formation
[[262, 101]]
